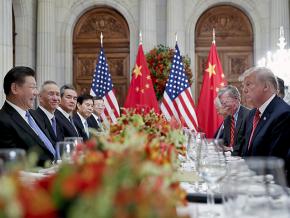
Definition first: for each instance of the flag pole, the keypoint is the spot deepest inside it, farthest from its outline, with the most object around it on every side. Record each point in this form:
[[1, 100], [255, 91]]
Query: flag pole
[[176, 37], [213, 36], [140, 38], [101, 39]]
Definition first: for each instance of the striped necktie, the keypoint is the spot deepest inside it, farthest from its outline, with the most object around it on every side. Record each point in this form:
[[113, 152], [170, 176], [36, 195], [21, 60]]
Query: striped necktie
[[232, 133]]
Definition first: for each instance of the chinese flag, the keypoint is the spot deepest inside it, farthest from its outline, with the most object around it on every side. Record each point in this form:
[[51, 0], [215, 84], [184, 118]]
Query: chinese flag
[[141, 94], [213, 79]]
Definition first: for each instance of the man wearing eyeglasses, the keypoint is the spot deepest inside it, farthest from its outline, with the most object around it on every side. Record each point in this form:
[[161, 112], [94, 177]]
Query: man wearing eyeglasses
[[234, 123], [94, 121]]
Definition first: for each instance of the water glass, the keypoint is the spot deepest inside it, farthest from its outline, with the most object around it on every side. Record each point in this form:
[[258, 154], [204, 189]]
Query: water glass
[[65, 151], [13, 159], [75, 140]]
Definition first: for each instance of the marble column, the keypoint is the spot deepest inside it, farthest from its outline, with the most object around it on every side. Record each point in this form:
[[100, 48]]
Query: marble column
[[25, 27], [279, 17], [6, 42], [176, 24], [46, 41], [148, 23]]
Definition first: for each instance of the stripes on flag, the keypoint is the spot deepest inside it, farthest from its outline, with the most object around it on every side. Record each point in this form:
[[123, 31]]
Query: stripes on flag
[[102, 87], [177, 99]]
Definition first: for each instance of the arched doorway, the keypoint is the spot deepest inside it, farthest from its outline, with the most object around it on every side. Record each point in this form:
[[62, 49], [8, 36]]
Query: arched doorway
[[234, 41], [86, 48]]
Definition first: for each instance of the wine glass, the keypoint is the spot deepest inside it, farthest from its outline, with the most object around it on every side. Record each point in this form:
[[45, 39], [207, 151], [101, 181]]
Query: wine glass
[[260, 192], [195, 138], [13, 159], [211, 167], [183, 158], [65, 151]]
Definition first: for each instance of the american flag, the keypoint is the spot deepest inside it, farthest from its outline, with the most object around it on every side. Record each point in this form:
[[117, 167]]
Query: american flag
[[102, 87], [177, 99]]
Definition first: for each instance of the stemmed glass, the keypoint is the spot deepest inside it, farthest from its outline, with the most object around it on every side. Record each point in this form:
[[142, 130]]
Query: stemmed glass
[[195, 139], [260, 191], [211, 167]]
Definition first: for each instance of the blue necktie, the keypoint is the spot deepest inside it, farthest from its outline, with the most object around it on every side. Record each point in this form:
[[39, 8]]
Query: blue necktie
[[86, 128], [53, 124], [40, 134]]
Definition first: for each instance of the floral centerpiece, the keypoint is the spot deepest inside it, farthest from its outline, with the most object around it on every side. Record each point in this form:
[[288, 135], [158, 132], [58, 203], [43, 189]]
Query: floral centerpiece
[[126, 173], [159, 63]]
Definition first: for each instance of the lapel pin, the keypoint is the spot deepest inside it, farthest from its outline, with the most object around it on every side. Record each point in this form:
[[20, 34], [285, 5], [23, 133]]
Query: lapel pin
[[264, 118]]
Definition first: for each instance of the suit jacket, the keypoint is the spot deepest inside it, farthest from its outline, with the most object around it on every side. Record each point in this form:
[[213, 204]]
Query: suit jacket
[[240, 129], [93, 123], [272, 134], [80, 127], [67, 128], [16, 133], [44, 123]]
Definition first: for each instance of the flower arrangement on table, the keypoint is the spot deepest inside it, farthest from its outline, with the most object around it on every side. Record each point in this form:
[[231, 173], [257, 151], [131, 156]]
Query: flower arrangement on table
[[159, 63], [126, 173]]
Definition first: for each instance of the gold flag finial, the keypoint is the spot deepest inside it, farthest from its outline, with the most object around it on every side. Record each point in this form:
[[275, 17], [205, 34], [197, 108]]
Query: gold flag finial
[[101, 39], [140, 38]]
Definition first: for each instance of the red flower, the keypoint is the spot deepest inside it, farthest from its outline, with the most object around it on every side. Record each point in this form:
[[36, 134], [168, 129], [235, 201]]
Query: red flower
[[36, 203]]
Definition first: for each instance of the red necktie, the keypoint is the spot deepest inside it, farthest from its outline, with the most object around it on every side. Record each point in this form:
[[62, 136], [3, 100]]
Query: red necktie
[[232, 136], [255, 123]]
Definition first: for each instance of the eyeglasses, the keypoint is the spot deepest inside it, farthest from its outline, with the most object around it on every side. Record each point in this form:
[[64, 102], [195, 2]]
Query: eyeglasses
[[100, 106]]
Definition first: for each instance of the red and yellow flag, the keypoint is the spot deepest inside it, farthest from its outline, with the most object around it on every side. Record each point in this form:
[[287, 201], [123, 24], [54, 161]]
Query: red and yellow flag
[[213, 80], [141, 94]]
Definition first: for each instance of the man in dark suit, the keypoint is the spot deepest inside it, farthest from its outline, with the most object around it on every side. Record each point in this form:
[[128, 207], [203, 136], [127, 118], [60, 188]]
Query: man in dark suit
[[85, 106], [49, 99], [235, 121], [94, 121], [18, 128], [268, 124], [63, 114]]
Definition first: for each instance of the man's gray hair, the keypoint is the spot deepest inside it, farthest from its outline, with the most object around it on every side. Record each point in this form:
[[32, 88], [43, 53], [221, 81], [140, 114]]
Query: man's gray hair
[[231, 90], [65, 87], [217, 102], [263, 74], [47, 82]]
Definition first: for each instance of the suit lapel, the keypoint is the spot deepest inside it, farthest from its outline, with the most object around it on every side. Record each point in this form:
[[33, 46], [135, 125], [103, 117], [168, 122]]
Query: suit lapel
[[239, 121], [47, 124], [78, 123], [16, 117], [264, 118], [66, 123]]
